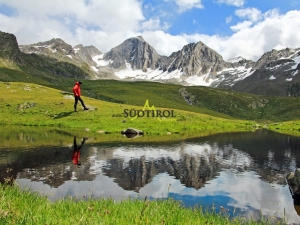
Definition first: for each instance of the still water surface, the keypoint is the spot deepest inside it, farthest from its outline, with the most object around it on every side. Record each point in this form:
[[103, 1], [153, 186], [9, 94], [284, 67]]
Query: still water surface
[[242, 172]]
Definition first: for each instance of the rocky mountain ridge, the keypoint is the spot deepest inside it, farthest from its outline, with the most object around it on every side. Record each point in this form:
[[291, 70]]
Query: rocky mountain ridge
[[9, 47], [79, 55], [135, 51], [275, 73], [39, 65]]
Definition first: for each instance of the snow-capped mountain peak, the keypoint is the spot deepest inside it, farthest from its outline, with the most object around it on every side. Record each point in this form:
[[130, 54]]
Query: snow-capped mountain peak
[[194, 64]]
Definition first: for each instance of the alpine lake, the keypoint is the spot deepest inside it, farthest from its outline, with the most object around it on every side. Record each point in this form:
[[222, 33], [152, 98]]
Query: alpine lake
[[241, 174]]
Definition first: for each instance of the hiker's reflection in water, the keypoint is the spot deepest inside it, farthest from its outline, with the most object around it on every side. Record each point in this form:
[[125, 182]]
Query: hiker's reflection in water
[[76, 152]]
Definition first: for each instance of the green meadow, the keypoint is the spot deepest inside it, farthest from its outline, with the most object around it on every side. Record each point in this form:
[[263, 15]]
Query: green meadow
[[210, 111], [35, 105]]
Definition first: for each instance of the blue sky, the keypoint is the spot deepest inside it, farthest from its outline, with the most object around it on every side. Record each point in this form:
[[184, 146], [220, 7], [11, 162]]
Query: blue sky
[[233, 28], [212, 18]]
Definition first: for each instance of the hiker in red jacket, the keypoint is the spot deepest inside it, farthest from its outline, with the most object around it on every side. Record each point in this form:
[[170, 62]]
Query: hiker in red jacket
[[76, 91]]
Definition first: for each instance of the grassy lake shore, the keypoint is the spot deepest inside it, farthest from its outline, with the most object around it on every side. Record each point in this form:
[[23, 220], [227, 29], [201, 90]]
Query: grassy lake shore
[[19, 206]]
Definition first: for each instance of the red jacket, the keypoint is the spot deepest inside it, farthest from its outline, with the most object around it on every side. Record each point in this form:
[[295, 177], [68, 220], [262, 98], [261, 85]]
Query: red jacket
[[76, 89], [76, 157]]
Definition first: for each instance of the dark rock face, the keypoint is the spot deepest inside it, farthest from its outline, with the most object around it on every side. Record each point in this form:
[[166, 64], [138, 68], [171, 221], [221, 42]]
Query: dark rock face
[[91, 50], [193, 59], [9, 49], [273, 56], [240, 62], [196, 59], [42, 63], [274, 74], [86, 53], [135, 51], [80, 56], [55, 46], [191, 171]]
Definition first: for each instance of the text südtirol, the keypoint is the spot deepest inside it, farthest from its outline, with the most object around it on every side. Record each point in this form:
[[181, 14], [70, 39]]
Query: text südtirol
[[148, 113]]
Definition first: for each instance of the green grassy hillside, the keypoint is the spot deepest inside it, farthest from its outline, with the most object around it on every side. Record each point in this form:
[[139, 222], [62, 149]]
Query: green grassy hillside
[[211, 101], [36, 105], [246, 106]]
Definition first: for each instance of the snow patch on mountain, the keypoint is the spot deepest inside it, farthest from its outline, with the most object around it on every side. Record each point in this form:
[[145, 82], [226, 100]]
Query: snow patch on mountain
[[94, 68], [203, 80], [242, 73], [272, 77], [294, 73], [76, 50], [127, 154], [203, 151], [150, 75], [38, 46], [235, 59], [98, 59], [297, 61], [276, 67], [128, 72], [175, 74], [295, 53], [160, 75], [207, 79]]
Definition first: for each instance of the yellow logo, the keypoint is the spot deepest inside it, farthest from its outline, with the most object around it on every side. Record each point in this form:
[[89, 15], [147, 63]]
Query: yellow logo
[[148, 111]]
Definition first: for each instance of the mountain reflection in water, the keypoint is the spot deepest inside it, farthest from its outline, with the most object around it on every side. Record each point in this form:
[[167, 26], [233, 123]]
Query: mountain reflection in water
[[242, 172]]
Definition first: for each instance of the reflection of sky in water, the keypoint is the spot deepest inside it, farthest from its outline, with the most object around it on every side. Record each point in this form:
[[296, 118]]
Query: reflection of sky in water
[[102, 186], [245, 193], [236, 178]]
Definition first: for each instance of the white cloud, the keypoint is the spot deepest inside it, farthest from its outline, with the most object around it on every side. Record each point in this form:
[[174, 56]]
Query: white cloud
[[185, 5], [98, 23], [275, 30], [237, 3], [252, 14], [228, 19], [154, 24], [273, 13], [248, 41], [241, 25], [92, 12], [165, 43]]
